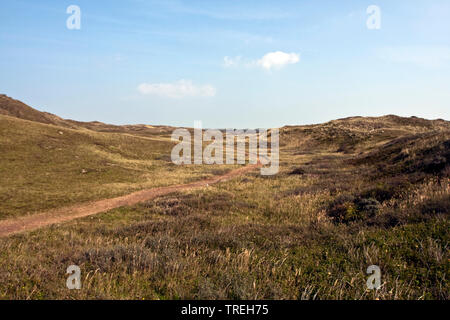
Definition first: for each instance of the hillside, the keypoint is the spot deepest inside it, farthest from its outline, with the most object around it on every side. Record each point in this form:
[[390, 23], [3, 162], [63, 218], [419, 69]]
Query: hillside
[[348, 135], [47, 162], [18, 109]]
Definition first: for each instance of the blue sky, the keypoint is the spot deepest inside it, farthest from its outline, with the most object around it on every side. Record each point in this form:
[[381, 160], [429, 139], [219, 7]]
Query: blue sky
[[227, 63]]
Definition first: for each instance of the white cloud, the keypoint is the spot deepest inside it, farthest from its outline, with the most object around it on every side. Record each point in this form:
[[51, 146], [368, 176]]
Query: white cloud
[[271, 60], [418, 55], [278, 59], [231, 62], [178, 89]]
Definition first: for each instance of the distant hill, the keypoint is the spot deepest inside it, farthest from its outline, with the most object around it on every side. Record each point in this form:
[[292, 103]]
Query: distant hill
[[358, 133], [346, 129], [15, 108], [370, 138]]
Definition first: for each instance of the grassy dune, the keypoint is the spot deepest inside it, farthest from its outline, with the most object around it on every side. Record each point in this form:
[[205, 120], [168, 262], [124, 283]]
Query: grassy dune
[[350, 193], [43, 166]]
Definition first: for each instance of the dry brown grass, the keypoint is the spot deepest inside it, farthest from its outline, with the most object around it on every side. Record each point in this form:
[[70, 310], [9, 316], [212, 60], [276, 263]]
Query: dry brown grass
[[253, 237]]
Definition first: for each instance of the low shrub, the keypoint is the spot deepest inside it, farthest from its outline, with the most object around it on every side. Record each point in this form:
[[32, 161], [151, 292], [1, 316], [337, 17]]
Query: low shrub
[[297, 171], [347, 208]]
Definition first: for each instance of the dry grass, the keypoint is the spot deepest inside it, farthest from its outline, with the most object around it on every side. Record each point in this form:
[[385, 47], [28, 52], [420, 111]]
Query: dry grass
[[253, 237], [44, 166]]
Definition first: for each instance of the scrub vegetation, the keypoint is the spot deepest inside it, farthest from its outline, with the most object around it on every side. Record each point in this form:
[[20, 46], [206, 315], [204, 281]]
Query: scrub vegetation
[[350, 193]]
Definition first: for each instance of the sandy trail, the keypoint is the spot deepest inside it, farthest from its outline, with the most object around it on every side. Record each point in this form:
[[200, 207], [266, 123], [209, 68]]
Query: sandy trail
[[32, 222]]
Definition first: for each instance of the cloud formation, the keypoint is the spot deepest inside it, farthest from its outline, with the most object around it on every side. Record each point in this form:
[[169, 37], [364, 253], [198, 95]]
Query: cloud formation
[[271, 60], [231, 62], [179, 89], [277, 60]]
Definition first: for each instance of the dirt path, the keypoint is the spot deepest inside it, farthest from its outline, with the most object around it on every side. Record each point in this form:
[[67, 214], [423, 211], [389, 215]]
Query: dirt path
[[39, 220]]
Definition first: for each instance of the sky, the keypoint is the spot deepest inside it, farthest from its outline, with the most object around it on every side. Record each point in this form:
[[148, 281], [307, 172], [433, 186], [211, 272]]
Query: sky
[[241, 64]]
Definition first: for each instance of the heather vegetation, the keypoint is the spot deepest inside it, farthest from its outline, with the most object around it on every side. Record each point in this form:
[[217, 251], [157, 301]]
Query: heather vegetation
[[350, 193]]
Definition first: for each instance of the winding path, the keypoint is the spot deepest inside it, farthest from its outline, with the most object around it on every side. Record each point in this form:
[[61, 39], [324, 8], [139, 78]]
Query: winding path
[[32, 222]]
